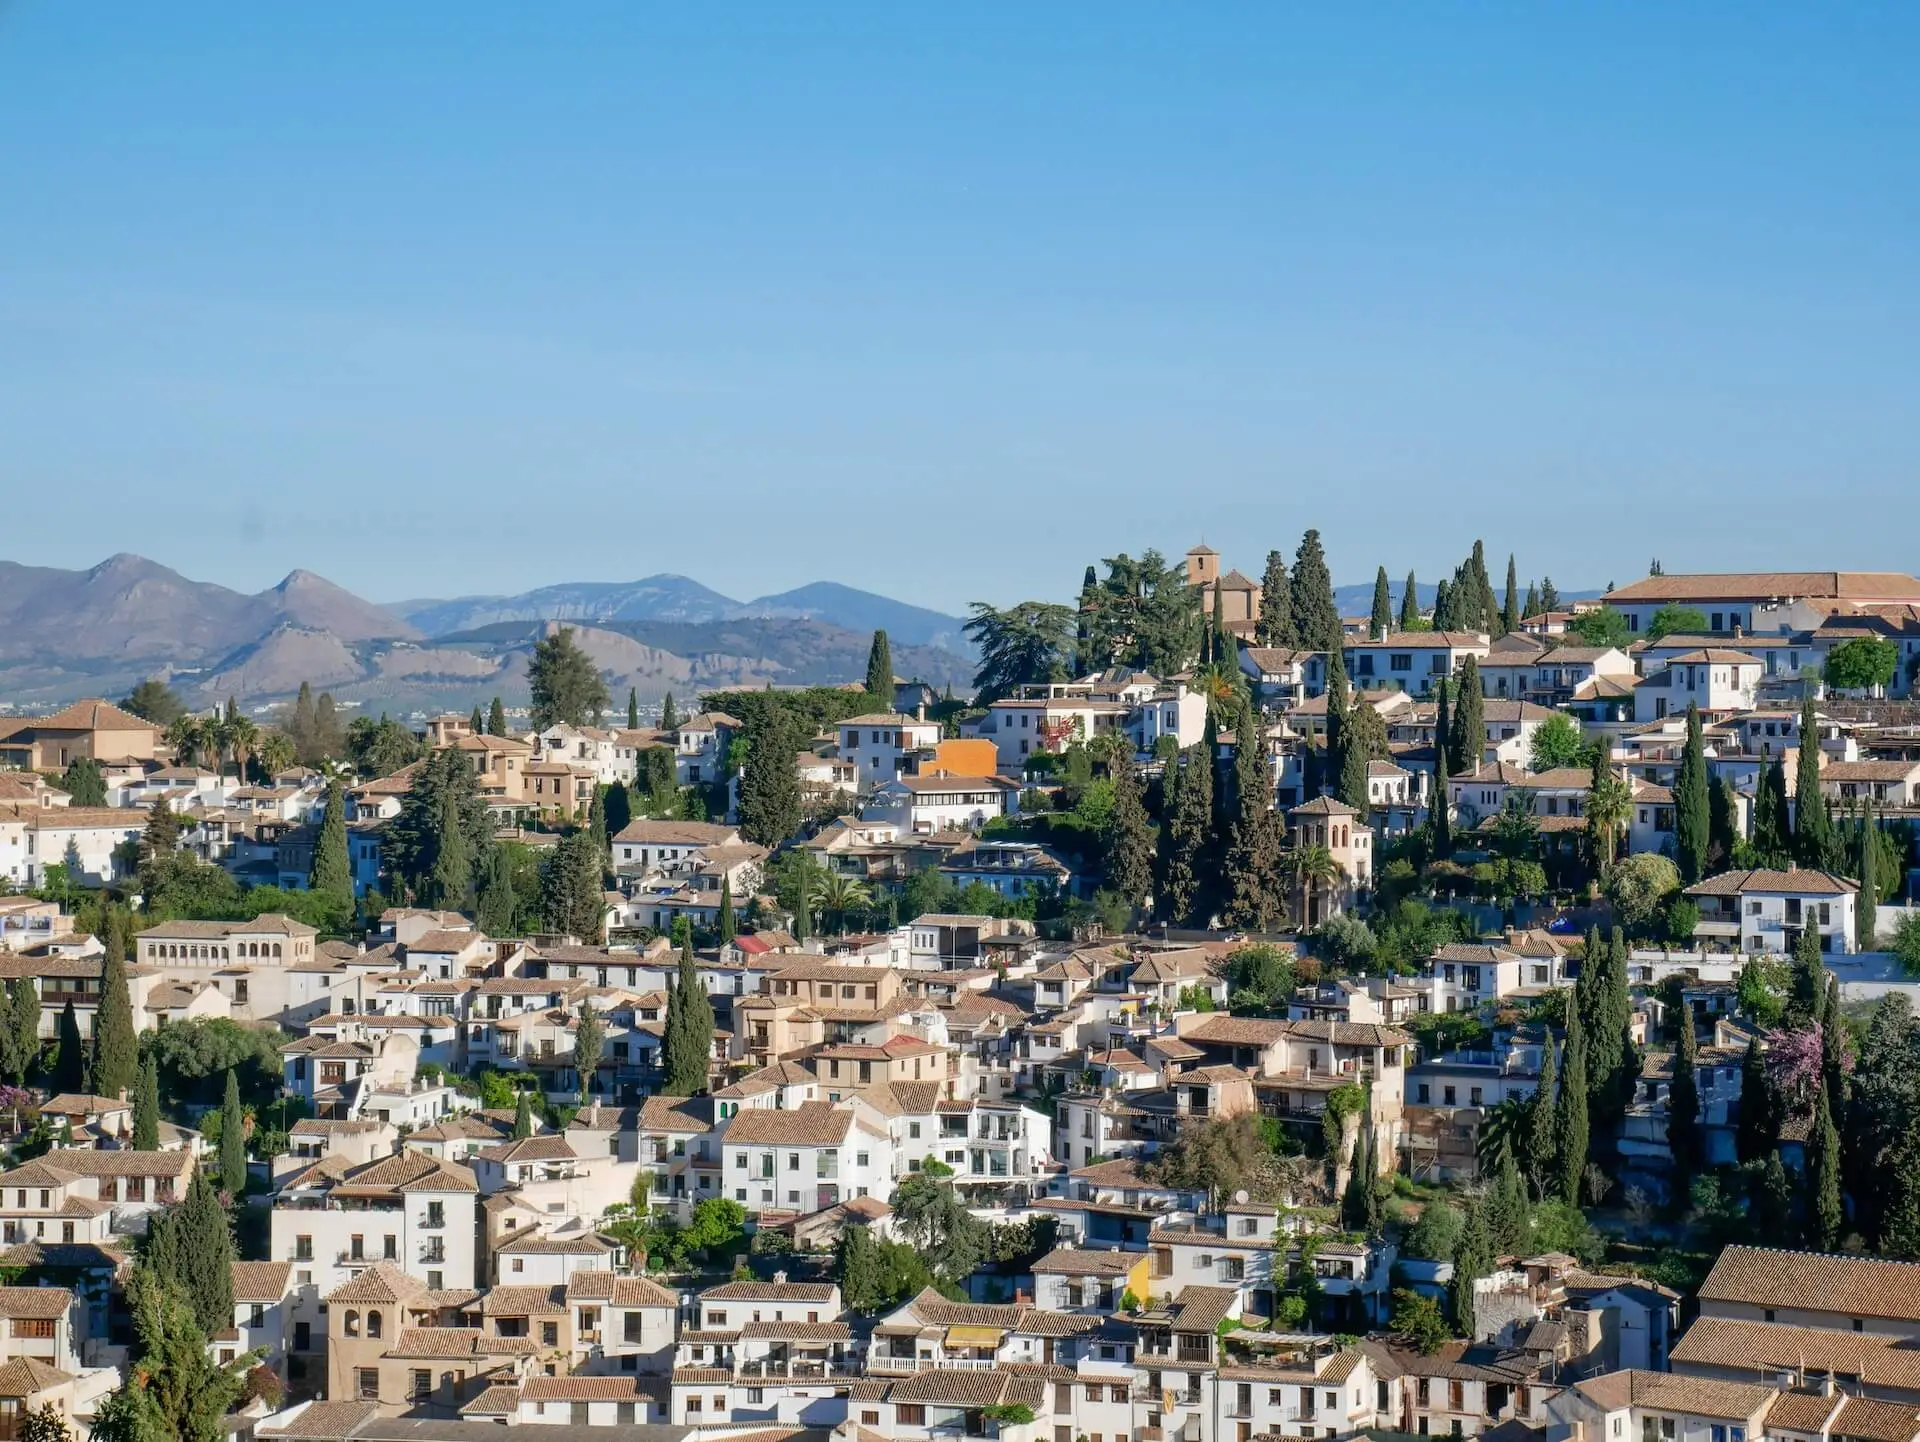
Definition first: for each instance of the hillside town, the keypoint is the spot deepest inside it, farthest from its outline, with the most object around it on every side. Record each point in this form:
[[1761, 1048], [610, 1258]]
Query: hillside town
[[1490, 1015]]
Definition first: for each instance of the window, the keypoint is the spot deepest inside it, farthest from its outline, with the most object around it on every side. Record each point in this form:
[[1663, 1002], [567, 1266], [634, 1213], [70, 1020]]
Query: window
[[436, 1215], [549, 1334], [910, 1414], [369, 1384], [373, 1324], [422, 1384]]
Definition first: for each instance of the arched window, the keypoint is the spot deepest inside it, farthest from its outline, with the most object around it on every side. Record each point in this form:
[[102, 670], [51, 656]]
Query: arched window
[[276, 951], [373, 1324], [351, 1324]]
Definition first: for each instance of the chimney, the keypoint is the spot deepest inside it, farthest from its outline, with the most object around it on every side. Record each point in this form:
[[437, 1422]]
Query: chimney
[[779, 1279], [920, 712]]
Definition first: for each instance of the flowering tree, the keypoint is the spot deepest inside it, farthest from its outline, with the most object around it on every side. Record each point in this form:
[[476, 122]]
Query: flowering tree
[[1794, 1065]]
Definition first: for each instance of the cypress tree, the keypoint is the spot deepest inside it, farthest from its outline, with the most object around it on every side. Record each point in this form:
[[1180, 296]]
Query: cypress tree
[[1128, 860], [1315, 615], [669, 716], [597, 823], [1486, 606], [1570, 1116], [203, 1238], [1510, 613], [1187, 833], [496, 718], [1754, 1132], [233, 1140], [618, 807], [770, 802], [1549, 595], [1444, 618], [24, 1015], [497, 902], [1472, 1260], [1723, 809], [725, 921], [1833, 1047], [1382, 605], [1683, 1111], [802, 912], [523, 1118], [453, 859], [476, 723], [1084, 660], [880, 670], [1337, 698], [688, 1043], [1354, 1202], [332, 872], [1439, 813], [1692, 829], [1772, 834], [1354, 761], [1825, 1216], [1531, 606], [1468, 739], [1275, 627], [146, 1106], [1541, 1171], [1812, 828], [633, 708], [116, 1056], [13, 1057], [1866, 924], [1510, 1218], [1410, 605]]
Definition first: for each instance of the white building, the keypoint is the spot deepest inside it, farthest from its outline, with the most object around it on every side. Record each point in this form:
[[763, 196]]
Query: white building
[[924, 804], [880, 743], [1765, 911]]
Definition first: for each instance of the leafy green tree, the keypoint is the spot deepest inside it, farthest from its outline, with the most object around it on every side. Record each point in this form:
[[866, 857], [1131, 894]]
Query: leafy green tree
[[1557, 742], [1316, 616], [1866, 663], [332, 872], [1602, 626], [930, 1216], [84, 783], [442, 811], [687, 1047], [1692, 822], [1435, 1235], [380, 747], [153, 700], [1570, 1115], [233, 1141], [1812, 827], [191, 1246], [1025, 644], [567, 687], [1419, 1322], [175, 1392], [617, 808], [1275, 626], [146, 1106], [880, 670], [1382, 620], [1675, 620], [1639, 885], [1509, 1213], [1146, 616], [571, 892]]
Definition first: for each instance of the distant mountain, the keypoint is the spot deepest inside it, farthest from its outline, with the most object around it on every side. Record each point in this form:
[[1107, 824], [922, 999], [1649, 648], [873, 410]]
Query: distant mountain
[[840, 605]]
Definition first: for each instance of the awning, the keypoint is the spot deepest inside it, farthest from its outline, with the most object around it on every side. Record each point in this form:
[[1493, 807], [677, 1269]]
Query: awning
[[974, 1336]]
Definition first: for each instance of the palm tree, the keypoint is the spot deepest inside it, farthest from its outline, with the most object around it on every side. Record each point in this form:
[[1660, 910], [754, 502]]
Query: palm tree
[[1609, 804], [837, 894], [191, 736], [274, 751], [1312, 868], [242, 738], [1501, 1129]]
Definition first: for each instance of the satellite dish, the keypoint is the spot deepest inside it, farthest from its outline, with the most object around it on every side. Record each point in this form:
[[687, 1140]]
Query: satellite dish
[[1241, 1196]]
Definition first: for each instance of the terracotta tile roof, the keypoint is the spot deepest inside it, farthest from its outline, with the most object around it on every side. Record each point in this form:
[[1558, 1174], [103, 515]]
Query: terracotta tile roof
[[524, 1301], [770, 1292], [382, 1282], [24, 1376], [1873, 1421], [532, 1149], [593, 1285], [260, 1281], [1797, 881], [1879, 1359], [1075, 1262], [437, 1342], [585, 1389], [1812, 1281], [35, 1302], [819, 1124], [1765, 585], [496, 1401], [324, 1421], [796, 1331], [1667, 1392], [1201, 1309]]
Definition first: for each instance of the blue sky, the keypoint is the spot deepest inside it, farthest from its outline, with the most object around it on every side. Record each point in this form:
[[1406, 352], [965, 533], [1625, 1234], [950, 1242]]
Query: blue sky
[[947, 301]]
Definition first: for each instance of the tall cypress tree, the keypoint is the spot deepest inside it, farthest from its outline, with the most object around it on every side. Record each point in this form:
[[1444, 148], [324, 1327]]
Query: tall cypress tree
[[1692, 823], [1539, 1147], [116, 1055], [1812, 829], [1275, 627], [233, 1140], [1772, 832], [1336, 714], [452, 877], [1439, 813], [1866, 906], [1486, 605], [24, 1015], [1531, 606], [1469, 736], [1472, 1260], [146, 1106], [497, 903], [1382, 621], [496, 718], [201, 1243], [1510, 613], [1184, 883], [1410, 605], [1570, 1116], [688, 1043], [1315, 615], [477, 723], [1683, 1111], [1754, 1132], [725, 921], [880, 670], [332, 872], [1128, 862], [1444, 618], [633, 708], [1723, 811], [669, 714], [523, 1115], [1825, 1215]]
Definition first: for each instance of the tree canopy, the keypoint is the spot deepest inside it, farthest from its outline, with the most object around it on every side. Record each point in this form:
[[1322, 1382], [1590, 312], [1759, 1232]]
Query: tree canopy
[[566, 686]]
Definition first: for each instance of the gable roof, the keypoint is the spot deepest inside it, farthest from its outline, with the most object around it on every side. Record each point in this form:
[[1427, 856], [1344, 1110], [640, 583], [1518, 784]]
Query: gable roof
[[1814, 1281]]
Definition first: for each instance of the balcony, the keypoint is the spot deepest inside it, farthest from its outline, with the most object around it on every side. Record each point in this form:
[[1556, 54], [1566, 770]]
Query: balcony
[[907, 1366]]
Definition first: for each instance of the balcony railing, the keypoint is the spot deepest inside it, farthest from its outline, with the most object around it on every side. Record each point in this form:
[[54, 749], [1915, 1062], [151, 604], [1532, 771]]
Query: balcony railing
[[906, 1366]]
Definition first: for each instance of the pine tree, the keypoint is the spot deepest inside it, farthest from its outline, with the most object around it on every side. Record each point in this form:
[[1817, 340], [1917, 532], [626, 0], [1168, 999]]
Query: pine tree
[[116, 1054], [725, 921], [1549, 595], [1866, 921], [669, 715], [1683, 1111], [24, 1015], [880, 671], [452, 878], [497, 903], [1772, 833], [233, 1140], [1275, 627], [1439, 812], [1812, 828], [146, 1106], [1315, 614], [1468, 741], [496, 718], [1382, 605], [1825, 1217], [688, 1043], [1692, 831], [1753, 1135], [566, 687], [332, 872], [1541, 1170], [1472, 1260], [1510, 613], [522, 1118], [1128, 846], [1570, 1116], [1410, 605]]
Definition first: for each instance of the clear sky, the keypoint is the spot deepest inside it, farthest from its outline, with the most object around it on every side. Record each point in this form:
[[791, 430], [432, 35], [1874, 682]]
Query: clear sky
[[946, 301]]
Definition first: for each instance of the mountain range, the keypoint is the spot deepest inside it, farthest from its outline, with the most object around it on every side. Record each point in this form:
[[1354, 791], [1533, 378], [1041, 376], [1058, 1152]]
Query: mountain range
[[65, 634]]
